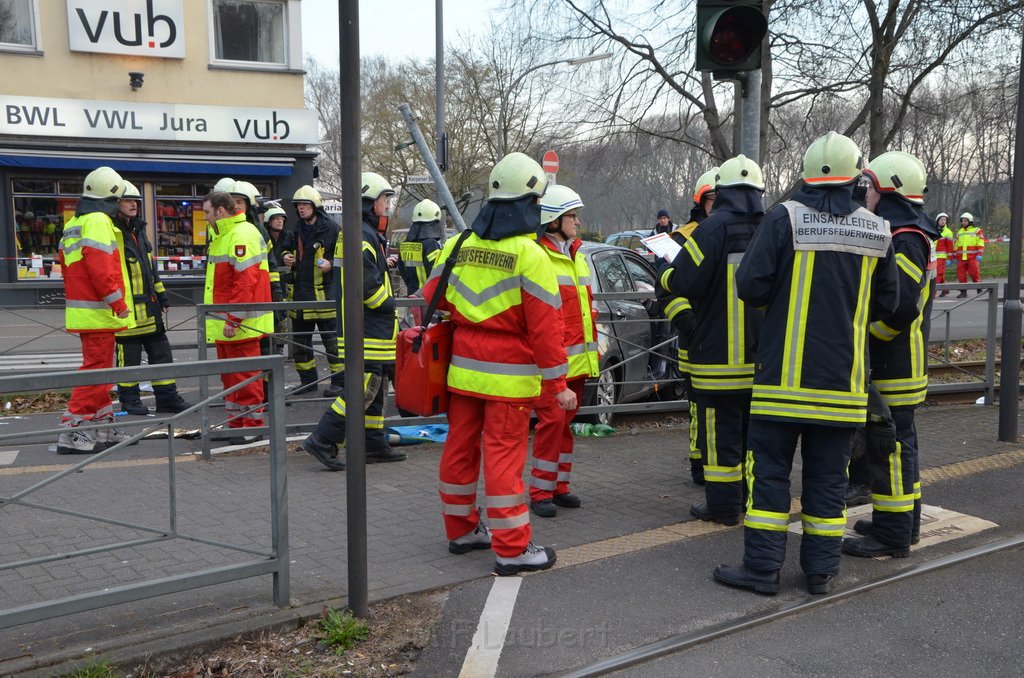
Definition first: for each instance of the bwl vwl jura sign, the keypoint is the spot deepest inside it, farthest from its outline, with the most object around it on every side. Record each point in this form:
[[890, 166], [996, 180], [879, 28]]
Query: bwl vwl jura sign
[[37, 116]]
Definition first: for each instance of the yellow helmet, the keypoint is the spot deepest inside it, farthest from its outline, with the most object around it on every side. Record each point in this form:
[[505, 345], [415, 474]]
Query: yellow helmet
[[968, 216], [307, 193], [557, 201], [102, 183], [130, 192], [374, 186], [832, 160], [900, 173], [426, 211], [247, 191], [739, 171], [705, 184], [515, 176], [225, 184]]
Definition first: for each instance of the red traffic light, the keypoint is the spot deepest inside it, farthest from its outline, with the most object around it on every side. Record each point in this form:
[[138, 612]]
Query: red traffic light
[[736, 35]]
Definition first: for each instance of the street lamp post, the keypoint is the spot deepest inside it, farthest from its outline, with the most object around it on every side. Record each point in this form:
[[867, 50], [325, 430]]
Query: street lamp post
[[503, 105]]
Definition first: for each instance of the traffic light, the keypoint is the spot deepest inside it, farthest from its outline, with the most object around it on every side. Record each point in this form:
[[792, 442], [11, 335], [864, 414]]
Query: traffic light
[[729, 35]]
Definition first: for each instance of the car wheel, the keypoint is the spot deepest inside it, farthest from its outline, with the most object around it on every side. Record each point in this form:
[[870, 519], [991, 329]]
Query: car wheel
[[607, 390]]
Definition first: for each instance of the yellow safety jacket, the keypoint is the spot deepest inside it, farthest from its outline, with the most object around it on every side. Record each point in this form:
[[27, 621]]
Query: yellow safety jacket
[[94, 272], [237, 272], [579, 329], [380, 323]]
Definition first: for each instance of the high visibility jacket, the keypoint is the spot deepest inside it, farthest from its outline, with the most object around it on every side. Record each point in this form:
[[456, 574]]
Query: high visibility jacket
[[721, 352], [970, 243], [146, 290], [237, 273], [676, 308], [310, 242], [416, 260], [821, 287], [898, 345], [380, 323], [504, 300], [94, 275], [944, 245], [579, 329]]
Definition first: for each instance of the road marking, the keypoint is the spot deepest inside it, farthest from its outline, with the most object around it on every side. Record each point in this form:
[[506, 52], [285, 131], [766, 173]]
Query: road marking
[[7, 457], [489, 640], [125, 463]]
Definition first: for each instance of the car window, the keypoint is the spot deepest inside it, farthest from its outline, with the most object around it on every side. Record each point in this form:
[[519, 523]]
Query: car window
[[642, 275], [612, 273], [613, 239]]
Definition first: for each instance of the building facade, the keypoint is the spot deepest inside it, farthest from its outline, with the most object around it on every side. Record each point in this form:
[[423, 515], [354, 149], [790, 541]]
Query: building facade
[[174, 94]]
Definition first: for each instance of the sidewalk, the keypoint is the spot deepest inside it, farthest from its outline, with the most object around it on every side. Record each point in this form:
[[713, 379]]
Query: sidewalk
[[633, 481]]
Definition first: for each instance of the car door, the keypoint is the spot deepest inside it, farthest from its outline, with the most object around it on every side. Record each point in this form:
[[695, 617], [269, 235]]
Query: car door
[[630, 328], [662, 360]]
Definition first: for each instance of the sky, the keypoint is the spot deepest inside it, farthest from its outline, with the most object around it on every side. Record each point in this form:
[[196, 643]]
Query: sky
[[405, 30]]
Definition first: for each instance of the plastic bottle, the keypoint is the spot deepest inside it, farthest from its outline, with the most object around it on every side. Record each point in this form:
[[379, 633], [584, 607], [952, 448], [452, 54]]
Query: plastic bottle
[[582, 429]]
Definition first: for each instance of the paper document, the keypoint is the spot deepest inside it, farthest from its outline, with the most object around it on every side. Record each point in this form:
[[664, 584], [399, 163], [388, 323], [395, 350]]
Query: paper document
[[662, 245]]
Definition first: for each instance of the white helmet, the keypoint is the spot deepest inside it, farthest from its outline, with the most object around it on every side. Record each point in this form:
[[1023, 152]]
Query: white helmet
[[274, 212], [739, 171], [426, 211], [247, 191], [968, 216], [374, 186], [558, 200], [131, 192], [516, 176], [225, 184]]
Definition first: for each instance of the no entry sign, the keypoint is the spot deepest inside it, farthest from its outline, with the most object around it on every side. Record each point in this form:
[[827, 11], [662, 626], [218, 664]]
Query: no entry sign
[[550, 162]]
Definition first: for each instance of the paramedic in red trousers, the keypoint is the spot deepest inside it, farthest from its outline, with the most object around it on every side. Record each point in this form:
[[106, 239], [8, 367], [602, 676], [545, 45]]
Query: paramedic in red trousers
[[552, 439], [149, 301], [380, 332], [725, 331], [680, 314], [968, 250], [899, 355], [507, 348], [822, 265], [944, 249], [237, 273], [95, 307]]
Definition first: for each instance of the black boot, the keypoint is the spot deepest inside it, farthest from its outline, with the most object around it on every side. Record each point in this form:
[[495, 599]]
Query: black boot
[[863, 527], [869, 547], [701, 511], [383, 455], [740, 576], [857, 495], [820, 584], [173, 404], [567, 500], [131, 403], [325, 452]]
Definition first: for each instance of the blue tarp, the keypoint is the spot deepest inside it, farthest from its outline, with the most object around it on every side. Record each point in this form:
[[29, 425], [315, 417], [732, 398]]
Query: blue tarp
[[410, 435]]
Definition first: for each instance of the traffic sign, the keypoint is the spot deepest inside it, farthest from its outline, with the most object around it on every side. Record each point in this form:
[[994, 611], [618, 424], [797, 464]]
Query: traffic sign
[[550, 162], [419, 179]]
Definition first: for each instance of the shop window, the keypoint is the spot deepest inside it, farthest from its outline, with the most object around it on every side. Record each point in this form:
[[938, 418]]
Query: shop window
[[18, 21], [180, 234], [71, 187], [38, 225], [34, 186], [251, 31]]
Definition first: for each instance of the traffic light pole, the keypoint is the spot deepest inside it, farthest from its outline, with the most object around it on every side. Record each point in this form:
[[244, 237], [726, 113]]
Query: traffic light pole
[[750, 114]]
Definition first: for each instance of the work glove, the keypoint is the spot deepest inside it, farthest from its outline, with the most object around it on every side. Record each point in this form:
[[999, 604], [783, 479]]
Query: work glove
[[373, 385], [880, 437]]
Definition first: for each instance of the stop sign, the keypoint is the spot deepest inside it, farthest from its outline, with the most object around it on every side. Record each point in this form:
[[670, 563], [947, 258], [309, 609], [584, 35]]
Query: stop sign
[[550, 162]]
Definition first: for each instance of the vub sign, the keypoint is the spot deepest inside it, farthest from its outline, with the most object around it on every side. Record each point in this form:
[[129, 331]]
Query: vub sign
[[154, 28]]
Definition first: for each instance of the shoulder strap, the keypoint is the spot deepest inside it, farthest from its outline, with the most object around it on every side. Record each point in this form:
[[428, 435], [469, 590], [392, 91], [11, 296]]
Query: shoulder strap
[[446, 273]]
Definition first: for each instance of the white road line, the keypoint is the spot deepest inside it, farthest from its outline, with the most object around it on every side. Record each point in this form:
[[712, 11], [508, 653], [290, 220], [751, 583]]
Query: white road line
[[489, 639], [7, 457]]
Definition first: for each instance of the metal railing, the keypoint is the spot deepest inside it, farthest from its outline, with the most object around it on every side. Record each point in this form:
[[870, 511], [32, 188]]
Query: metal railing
[[274, 562], [988, 380]]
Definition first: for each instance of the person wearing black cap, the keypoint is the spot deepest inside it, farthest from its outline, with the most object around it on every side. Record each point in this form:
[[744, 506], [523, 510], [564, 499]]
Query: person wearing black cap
[[664, 224]]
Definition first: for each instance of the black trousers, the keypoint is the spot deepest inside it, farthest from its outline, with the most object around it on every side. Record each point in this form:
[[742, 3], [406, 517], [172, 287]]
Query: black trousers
[[302, 351], [332, 424], [158, 352], [722, 441], [896, 485], [825, 451]]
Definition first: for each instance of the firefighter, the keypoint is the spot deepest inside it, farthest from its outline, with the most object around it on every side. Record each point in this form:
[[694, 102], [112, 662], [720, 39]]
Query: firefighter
[[420, 249], [899, 356], [553, 439], [968, 250], [150, 304], [680, 313], [311, 252], [943, 249], [507, 349], [279, 247], [725, 330], [822, 266], [380, 326], [96, 307], [237, 273]]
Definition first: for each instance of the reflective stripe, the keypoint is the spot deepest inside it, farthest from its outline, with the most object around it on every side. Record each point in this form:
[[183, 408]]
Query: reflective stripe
[[859, 369], [676, 306], [106, 248], [813, 394], [243, 264], [735, 311], [552, 299], [693, 250], [566, 280], [565, 458], [893, 504], [457, 509], [499, 369], [541, 484], [510, 523], [824, 527], [505, 500], [81, 303], [483, 296], [882, 332], [377, 298], [554, 372], [545, 465], [113, 296], [909, 267], [766, 520], [711, 436], [580, 349], [583, 281], [805, 412], [799, 298], [723, 474], [665, 279], [564, 476], [451, 488]]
